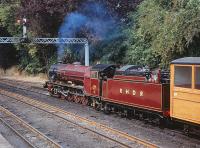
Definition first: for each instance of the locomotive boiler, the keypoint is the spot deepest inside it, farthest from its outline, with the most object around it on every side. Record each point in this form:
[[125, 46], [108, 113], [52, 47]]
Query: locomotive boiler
[[66, 81]]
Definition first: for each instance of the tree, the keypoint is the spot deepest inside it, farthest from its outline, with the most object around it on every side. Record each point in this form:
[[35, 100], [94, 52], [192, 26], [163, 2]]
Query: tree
[[45, 16], [163, 30], [8, 53], [8, 27], [112, 47], [8, 11], [44, 19]]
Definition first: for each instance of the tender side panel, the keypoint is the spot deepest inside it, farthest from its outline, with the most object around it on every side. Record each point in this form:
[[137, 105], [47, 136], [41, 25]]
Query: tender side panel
[[138, 94]]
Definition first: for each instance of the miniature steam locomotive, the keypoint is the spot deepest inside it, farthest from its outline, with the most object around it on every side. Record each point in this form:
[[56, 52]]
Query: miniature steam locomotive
[[133, 90]]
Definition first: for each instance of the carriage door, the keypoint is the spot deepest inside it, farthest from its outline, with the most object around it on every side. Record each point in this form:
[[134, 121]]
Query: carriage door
[[94, 85]]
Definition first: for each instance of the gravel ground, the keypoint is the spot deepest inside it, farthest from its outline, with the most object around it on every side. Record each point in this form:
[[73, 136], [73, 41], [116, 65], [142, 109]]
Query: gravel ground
[[64, 133], [12, 138], [151, 133]]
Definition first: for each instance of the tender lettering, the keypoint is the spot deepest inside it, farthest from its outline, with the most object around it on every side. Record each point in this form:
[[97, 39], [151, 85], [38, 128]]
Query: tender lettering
[[141, 93], [127, 91], [120, 90], [134, 92]]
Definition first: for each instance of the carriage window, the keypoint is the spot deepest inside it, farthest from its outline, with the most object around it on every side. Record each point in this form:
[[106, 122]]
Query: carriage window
[[183, 76], [197, 77]]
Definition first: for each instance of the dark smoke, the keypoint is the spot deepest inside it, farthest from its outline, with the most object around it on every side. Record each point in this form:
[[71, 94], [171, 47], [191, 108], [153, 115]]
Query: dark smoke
[[93, 18]]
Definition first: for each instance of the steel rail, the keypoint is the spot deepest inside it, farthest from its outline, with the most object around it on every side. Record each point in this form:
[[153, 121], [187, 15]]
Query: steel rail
[[120, 137], [24, 87], [122, 144], [21, 81], [26, 131], [17, 133]]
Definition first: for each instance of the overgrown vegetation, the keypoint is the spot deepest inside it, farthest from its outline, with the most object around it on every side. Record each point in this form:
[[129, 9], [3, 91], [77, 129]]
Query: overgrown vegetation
[[162, 30], [148, 32]]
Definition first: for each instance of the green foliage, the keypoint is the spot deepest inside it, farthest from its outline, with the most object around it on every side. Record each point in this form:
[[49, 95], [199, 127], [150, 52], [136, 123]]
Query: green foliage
[[8, 53], [110, 51], [8, 18], [29, 61], [163, 30], [158, 32], [68, 57], [34, 67], [52, 60], [34, 61]]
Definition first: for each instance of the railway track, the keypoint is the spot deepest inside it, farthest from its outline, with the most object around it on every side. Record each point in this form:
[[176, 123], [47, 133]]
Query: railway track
[[121, 138], [25, 86], [30, 135], [22, 82]]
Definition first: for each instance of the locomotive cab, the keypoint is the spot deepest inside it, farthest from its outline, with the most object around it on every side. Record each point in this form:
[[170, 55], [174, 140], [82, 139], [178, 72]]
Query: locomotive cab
[[185, 90], [98, 74]]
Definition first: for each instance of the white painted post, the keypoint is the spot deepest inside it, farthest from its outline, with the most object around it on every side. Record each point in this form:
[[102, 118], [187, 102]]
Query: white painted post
[[24, 28], [87, 59]]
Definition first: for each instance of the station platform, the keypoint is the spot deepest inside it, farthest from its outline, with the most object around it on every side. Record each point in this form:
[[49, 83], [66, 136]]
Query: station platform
[[4, 143]]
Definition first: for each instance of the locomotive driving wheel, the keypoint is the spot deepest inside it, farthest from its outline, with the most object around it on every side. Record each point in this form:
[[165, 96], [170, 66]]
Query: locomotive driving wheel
[[84, 101], [77, 99], [70, 98], [63, 97]]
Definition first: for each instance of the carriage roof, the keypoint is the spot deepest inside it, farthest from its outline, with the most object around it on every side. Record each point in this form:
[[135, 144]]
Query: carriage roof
[[187, 60]]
